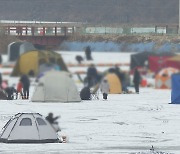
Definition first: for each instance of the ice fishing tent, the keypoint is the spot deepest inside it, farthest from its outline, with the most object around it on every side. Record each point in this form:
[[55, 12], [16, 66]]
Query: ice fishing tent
[[25, 47], [152, 60], [56, 86], [38, 62], [175, 94], [163, 78], [139, 59], [174, 61], [28, 128], [13, 51], [114, 83], [156, 63]]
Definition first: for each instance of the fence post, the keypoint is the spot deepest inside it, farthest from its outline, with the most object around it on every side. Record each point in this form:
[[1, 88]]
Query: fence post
[[166, 29], [55, 31], [177, 29], [44, 31], [156, 29], [32, 31]]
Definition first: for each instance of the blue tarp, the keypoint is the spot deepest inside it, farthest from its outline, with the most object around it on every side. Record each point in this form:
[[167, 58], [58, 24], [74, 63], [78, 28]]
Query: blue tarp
[[120, 47], [175, 94]]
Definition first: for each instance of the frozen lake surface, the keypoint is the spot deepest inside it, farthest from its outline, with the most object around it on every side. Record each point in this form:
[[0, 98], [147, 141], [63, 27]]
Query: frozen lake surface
[[125, 124]]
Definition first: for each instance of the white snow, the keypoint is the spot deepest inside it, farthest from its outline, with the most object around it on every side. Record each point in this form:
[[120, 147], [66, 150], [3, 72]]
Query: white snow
[[126, 123], [98, 58]]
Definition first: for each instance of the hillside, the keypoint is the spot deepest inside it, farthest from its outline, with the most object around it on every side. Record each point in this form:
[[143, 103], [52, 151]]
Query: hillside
[[92, 11]]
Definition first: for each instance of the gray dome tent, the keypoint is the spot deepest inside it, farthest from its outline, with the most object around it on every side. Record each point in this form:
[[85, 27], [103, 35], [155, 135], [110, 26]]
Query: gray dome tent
[[15, 49], [25, 47], [56, 86], [28, 128]]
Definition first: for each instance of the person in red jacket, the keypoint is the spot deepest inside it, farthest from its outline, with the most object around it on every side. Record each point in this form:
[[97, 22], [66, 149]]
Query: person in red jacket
[[19, 89]]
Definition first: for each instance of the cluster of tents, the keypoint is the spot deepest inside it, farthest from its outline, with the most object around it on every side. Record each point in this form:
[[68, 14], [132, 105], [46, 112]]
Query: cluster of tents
[[36, 62], [154, 61], [63, 89], [162, 64], [31, 61], [40, 63], [54, 85], [46, 65], [166, 67]]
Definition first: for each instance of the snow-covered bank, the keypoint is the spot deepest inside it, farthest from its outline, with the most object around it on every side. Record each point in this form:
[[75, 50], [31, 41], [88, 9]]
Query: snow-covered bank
[[123, 45], [98, 58]]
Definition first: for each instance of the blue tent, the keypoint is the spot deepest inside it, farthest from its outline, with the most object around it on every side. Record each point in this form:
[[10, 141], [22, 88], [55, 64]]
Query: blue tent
[[175, 94]]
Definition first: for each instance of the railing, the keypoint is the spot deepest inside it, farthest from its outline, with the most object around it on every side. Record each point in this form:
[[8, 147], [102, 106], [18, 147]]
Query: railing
[[30, 23], [46, 28], [37, 31], [131, 30]]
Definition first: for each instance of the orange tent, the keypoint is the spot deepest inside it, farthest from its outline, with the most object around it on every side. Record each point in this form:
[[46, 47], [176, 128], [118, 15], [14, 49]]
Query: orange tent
[[163, 78], [114, 83]]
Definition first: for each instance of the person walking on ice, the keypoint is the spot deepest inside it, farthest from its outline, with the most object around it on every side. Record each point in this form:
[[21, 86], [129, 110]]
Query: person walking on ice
[[137, 80], [104, 87]]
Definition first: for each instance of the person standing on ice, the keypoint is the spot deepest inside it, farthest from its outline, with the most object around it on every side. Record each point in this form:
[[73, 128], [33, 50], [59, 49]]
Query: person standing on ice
[[104, 87], [26, 84], [19, 89], [136, 80], [1, 80], [92, 75], [88, 53]]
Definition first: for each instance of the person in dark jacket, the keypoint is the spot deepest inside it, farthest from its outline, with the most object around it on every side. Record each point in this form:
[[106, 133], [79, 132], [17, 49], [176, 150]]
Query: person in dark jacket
[[136, 80], [79, 59], [1, 80], [92, 76], [88, 53], [85, 93], [10, 92], [0, 59], [51, 119], [26, 84]]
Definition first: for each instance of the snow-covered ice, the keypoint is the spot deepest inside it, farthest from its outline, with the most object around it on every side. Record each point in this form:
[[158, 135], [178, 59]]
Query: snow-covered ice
[[123, 124], [126, 123]]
